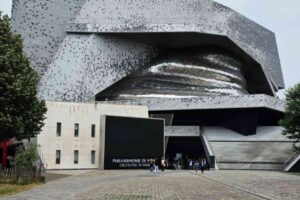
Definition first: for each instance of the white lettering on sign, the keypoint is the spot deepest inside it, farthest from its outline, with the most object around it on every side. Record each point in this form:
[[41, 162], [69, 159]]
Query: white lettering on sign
[[124, 163]]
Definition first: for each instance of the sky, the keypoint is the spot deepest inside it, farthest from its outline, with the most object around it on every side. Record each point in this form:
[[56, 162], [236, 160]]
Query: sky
[[280, 16]]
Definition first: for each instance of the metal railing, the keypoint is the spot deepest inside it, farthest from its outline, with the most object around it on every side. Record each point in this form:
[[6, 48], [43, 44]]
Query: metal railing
[[291, 159], [42, 160]]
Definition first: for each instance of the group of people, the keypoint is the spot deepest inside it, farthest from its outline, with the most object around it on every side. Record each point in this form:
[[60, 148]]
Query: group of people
[[162, 164], [155, 164], [199, 164]]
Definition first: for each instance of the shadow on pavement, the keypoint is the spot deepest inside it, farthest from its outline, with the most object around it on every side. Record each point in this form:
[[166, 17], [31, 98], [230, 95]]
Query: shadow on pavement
[[55, 176]]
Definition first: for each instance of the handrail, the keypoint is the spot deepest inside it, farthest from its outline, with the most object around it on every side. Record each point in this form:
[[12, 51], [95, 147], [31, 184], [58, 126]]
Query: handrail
[[291, 159], [207, 148], [206, 140], [42, 159]]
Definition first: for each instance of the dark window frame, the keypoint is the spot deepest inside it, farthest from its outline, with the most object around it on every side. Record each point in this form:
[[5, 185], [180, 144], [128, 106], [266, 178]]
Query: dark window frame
[[76, 130], [58, 129], [57, 157], [93, 130], [76, 155], [93, 157]]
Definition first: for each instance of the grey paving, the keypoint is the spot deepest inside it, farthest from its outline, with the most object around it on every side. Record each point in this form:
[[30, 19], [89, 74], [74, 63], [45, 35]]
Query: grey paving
[[54, 176], [269, 184], [140, 184]]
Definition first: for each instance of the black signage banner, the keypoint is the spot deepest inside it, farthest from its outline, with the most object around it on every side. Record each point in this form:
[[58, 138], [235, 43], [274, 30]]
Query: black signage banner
[[130, 143]]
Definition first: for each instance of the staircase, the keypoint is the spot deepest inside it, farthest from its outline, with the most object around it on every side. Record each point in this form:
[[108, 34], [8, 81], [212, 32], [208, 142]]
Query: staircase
[[267, 150]]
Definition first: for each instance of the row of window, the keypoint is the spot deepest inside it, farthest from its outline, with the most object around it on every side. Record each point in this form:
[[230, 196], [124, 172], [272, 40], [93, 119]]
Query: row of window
[[76, 156], [76, 130]]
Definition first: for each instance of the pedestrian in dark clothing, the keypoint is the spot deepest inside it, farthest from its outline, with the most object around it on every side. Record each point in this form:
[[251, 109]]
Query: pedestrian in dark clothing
[[151, 165], [202, 165], [157, 163]]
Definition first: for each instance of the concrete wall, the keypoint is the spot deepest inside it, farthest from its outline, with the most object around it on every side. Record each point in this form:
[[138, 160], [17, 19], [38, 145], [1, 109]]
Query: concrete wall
[[85, 114]]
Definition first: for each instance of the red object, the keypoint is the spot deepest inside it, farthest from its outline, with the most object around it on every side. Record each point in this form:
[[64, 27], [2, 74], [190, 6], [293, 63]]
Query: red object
[[4, 146]]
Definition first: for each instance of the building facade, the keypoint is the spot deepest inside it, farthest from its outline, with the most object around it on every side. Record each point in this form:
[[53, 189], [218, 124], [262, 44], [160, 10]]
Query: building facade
[[197, 64]]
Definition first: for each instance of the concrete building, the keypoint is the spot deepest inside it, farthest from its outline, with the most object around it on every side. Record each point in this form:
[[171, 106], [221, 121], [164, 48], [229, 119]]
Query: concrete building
[[73, 133], [211, 73]]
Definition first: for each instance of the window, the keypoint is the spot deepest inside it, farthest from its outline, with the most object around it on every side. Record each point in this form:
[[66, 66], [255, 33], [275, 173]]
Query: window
[[76, 157], [93, 129], [58, 129], [57, 157], [93, 156], [76, 130]]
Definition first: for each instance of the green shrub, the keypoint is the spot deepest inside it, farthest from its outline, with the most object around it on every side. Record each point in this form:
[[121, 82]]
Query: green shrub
[[26, 157]]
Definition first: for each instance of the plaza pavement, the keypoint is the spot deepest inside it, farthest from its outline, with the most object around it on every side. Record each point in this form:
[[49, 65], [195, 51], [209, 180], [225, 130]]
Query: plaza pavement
[[141, 184]]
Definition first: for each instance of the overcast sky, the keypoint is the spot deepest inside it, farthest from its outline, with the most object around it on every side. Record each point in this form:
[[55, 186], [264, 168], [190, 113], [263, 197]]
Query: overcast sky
[[280, 16]]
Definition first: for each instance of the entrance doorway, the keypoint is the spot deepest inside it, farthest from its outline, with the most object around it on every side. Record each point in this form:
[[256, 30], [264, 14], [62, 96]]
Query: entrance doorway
[[181, 149]]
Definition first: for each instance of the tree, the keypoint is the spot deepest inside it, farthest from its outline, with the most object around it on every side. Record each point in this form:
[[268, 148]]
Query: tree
[[291, 121], [21, 112]]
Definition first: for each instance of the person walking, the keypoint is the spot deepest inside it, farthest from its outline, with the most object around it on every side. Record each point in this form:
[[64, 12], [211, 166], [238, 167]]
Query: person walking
[[196, 166], [202, 165], [156, 165], [151, 165], [163, 165], [190, 164]]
